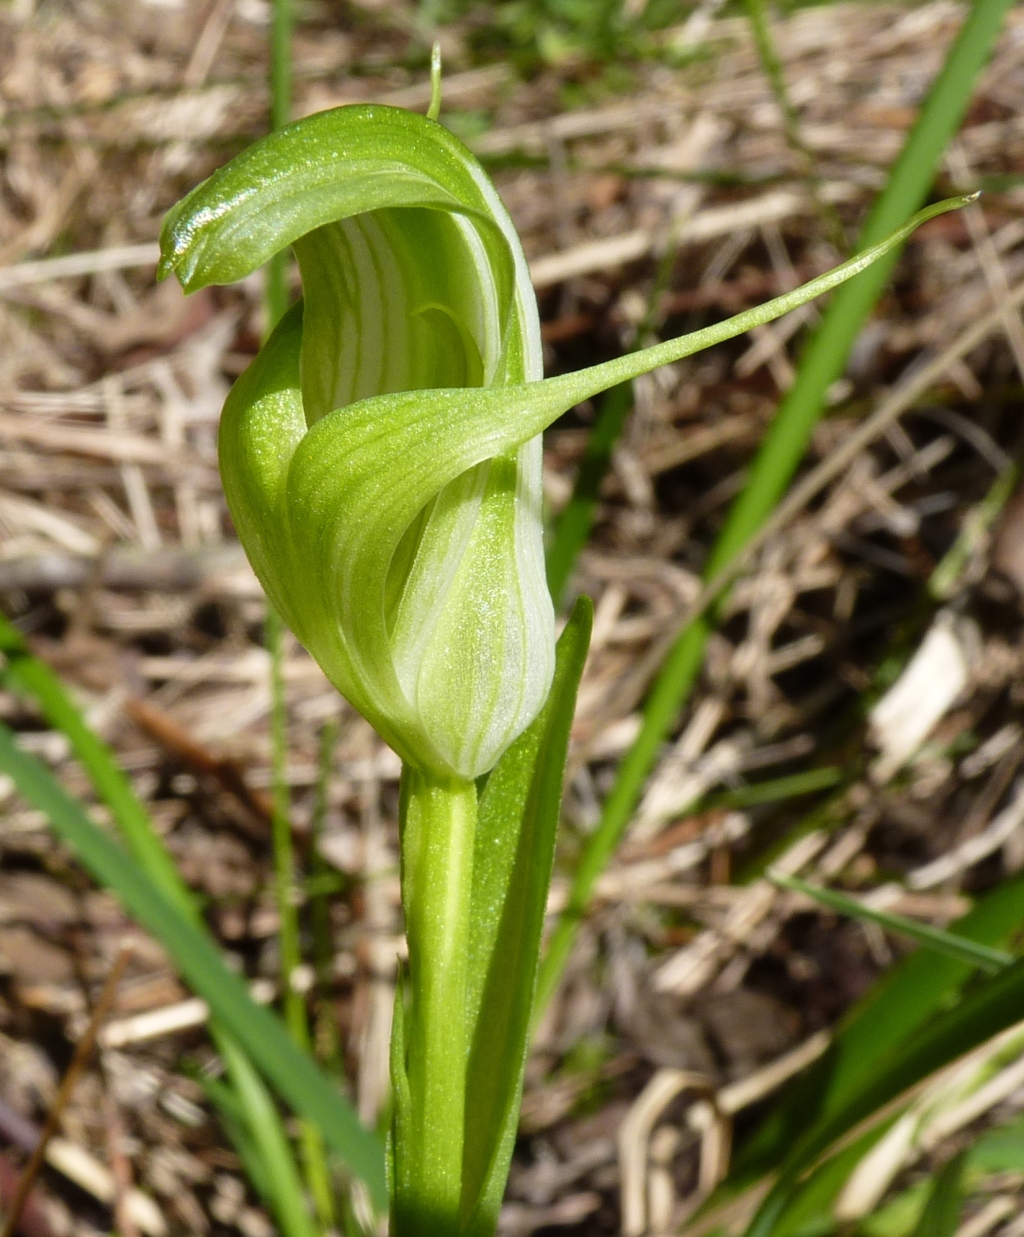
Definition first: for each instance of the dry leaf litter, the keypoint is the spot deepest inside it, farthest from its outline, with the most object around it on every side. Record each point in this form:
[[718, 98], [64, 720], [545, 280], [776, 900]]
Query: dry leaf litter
[[697, 988]]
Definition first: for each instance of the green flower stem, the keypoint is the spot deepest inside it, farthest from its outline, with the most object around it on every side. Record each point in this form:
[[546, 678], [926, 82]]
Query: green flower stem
[[438, 830]]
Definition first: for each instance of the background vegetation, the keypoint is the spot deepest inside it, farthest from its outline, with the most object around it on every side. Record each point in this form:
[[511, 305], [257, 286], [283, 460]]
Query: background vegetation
[[721, 1045]]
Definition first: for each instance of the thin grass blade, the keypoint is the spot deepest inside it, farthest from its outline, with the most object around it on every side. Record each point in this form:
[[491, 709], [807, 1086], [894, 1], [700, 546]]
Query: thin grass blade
[[948, 943], [941, 1216], [897, 1006], [995, 1004], [262, 1035], [265, 1143], [29, 676]]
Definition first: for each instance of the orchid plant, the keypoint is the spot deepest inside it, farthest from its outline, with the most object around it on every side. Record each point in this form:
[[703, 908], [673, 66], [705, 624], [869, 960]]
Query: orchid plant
[[381, 458]]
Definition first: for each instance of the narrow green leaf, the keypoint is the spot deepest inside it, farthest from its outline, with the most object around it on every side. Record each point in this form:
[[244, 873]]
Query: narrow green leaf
[[262, 1035], [960, 947], [898, 1005], [29, 676], [281, 64], [228, 1106], [997, 1151], [811, 1204], [1000, 1150], [809, 1207], [266, 1142], [513, 857], [941, 1215], [772, 790], [772, 66], [996, 1003], [314, 1160], [948, 576], [898, 1217], [574, 523]]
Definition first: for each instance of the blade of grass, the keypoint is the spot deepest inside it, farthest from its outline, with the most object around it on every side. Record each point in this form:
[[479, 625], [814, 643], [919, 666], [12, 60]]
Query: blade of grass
[[810, 1206], [262, 1035], [225, 1101], [941, 1214], [946, 578], [29, 676], [896, 1007], [321, 879], [775, 789], [276, 288], [757, 14], [960, 947], [313, 1158], [1000, 1150], [257, 1112], [771, 63], [987, 1009], [26, 675], [276, 299], [782, 449]]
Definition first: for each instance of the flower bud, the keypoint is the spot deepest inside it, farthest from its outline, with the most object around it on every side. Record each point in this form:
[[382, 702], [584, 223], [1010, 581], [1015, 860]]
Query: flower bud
[[401, 545]]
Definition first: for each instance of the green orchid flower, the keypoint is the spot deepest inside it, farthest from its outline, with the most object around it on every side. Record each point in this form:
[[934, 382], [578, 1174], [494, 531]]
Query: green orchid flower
[[405, 554], [399, 534]]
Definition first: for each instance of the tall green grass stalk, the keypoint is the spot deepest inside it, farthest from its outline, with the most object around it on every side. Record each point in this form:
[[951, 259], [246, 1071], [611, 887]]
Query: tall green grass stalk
[[314, 1158], [757, 12], [572, 529], [145, 879], [321, 882], [276, 300], [276, 287], [784, 445]]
